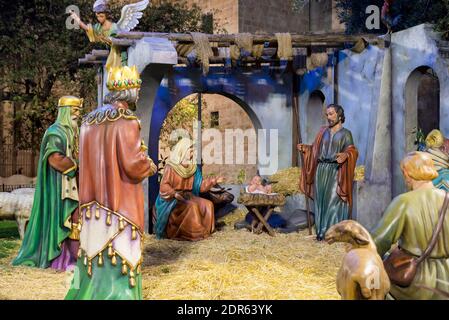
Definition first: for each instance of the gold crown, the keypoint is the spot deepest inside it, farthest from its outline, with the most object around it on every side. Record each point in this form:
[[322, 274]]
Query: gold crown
[[123, 78], [70, 101]]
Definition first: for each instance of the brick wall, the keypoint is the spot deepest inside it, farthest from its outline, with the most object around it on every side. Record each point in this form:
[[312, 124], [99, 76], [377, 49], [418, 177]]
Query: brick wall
[[225, 12], [272, 16], [231, 116]]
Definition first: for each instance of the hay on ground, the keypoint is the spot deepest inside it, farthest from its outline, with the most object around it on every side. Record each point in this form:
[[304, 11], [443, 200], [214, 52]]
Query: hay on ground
[[229, 265]]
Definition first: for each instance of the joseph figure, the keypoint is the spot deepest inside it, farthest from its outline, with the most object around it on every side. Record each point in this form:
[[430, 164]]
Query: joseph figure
[[328, 171], [113, 163], [51, 236]]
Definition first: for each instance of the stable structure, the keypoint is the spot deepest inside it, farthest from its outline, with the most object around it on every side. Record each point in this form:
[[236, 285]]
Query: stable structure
[[378, 81]]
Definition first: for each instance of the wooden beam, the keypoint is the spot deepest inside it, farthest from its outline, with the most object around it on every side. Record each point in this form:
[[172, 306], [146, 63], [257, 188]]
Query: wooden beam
[[222, 60], [298, 40], [123, 42], [100, 53], [86, 61]]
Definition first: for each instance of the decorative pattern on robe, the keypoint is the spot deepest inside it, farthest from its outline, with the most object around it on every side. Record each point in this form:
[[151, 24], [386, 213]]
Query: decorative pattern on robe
[[113, 163], [441, 161]]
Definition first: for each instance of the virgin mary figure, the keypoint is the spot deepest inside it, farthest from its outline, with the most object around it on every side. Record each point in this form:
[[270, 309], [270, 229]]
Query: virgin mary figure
[[180, 213]]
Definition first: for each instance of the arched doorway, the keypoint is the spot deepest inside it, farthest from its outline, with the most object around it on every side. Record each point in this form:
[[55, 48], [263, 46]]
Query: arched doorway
[[315, 118], [420, 110], [224, 150], [422, 104], [164, 103]]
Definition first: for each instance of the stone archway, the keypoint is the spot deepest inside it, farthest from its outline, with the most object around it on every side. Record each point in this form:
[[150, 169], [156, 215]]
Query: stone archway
[[422, 104], [223, 153], [418, 108]]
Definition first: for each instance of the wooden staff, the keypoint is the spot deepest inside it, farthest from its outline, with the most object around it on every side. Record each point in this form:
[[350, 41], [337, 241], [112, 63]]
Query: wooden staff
[[297, 127], [309, 221]]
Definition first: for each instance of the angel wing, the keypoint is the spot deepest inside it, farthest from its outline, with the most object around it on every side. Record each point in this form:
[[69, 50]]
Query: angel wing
[[131, 14]]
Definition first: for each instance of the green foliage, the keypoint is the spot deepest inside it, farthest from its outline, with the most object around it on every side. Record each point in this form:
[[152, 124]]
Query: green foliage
[[40, 55], [241, 177], [442, 24], [30, 123], [36, 47], [420, 139], [182, 116], [171, 17], [353, 15]]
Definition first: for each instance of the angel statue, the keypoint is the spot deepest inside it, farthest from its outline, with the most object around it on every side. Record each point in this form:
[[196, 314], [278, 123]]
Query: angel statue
[[105, 29]]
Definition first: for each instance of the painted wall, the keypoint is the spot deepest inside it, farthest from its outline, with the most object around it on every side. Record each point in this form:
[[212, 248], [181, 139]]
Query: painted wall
[[413, 48], [359, 78], [320, 79]]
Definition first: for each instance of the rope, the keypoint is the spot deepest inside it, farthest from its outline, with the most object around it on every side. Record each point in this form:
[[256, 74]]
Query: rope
[[285, 47], [203, 49]]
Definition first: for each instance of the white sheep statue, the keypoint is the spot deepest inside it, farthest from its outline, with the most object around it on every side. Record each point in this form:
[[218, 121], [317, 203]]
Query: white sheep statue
[[17, 206]]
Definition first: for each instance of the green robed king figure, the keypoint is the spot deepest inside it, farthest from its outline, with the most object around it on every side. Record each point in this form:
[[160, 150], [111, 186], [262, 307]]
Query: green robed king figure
[[51, 237]]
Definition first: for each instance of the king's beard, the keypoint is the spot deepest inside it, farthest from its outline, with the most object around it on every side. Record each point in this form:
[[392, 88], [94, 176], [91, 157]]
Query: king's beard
[[75, 125]]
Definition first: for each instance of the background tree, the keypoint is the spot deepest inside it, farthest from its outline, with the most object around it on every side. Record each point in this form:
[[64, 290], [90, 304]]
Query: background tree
[[40, 55], [39, 62]]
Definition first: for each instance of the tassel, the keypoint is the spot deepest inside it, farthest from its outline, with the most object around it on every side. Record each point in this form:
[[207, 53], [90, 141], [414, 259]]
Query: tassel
[[97, 212], [121, 224], [139, 269], [132, 279], [88, 212], [110, 252], [85, 260], [124, 268], [134, 233], [100, 259], [109, 219], [89, 269], [80, 253], [114, 259]]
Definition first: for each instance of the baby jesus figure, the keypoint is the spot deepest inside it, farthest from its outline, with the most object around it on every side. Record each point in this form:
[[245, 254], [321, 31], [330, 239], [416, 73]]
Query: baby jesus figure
[[256, 186]]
